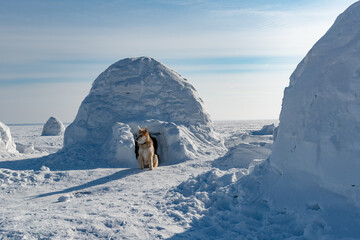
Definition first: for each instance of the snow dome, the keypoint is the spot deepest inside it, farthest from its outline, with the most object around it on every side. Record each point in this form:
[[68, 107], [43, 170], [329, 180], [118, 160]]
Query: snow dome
[[142, 92], [53, 127], [318, 136], [7, 144]]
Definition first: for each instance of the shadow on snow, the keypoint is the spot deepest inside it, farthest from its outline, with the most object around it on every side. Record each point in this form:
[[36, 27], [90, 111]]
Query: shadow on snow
[[116, 176]]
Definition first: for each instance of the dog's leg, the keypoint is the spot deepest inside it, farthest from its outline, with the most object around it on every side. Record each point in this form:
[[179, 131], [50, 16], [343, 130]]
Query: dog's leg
[[138, 160], [141, 162], [156, 161], [150, 158]]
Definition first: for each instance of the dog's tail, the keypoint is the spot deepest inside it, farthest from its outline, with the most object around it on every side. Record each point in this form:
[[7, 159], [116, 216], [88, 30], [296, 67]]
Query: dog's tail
[[155, 161]]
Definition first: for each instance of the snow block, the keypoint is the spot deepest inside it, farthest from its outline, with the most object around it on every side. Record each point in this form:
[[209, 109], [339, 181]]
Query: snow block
[[53, 127], [7, 144], [142, 92], [21, 148], [121, 145], [318, 135], [265, 130]]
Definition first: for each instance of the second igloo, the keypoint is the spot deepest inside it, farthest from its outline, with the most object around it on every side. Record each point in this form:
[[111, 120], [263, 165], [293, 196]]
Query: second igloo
[[7, 144], [141, 92], [53, 127], [318, 137]]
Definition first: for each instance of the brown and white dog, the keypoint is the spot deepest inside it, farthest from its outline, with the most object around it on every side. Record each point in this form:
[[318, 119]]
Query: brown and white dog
[[147, 156]]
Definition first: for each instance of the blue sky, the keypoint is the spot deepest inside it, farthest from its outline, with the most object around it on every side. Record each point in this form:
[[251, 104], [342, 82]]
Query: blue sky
[[238, 54]]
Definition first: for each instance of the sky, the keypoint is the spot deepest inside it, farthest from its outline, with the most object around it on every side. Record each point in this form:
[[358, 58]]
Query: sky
[[238, 54]]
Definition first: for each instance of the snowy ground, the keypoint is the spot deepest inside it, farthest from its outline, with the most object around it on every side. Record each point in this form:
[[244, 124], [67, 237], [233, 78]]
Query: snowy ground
[[108, 203]]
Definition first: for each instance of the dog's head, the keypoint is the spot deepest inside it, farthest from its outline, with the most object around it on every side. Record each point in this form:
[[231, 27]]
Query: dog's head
[[143, 135]]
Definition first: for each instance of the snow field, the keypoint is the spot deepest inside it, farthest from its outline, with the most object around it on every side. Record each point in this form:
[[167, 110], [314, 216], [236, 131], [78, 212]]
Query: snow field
[[104, 203]]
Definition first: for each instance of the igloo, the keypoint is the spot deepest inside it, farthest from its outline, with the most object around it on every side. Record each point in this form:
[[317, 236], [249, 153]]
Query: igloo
[[142, 92], [318, 136], [7, 144], [53, 127]]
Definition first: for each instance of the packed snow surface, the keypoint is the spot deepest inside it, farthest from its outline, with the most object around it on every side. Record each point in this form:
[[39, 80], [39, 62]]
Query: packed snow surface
[[211, 197], [320, 118], [141, 92], [42, 199], [53, 127]]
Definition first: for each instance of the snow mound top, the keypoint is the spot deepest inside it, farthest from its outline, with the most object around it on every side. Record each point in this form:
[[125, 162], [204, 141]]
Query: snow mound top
[[7, 144], [141, 92], [53, 127], [320, 118]]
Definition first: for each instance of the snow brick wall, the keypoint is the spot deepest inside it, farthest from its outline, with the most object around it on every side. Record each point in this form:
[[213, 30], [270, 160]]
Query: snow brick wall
[[142, 92]]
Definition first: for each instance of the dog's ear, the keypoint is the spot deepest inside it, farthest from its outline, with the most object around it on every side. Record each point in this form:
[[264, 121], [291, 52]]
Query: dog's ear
[[139, 128], [145, 129]]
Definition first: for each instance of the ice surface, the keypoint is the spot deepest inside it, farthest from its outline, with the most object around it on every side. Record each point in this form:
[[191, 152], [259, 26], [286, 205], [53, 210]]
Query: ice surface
[[53, 127], [141, 92]]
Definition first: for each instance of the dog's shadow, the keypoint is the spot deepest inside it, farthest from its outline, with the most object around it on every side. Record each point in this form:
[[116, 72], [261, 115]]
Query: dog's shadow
[[61, 161], [116, 176]]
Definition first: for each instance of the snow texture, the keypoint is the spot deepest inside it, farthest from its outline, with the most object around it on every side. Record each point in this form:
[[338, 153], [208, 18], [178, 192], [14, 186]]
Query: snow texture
[[7, 144], [320, 117], [141, 92], [47, 200], [53, 127], [265, 130]]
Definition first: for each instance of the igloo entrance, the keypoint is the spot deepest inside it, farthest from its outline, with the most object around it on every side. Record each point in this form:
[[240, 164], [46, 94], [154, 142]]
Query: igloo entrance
[[157, 147]]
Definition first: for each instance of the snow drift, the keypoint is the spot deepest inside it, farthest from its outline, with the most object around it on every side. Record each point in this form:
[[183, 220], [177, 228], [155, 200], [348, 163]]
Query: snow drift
[[320, 117], [265, 130], [7, 144], [53, 127], [141, 92]]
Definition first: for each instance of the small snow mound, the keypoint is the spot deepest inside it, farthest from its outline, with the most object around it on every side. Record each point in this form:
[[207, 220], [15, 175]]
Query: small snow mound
[[7, 144], [44, 169], [242, 156], [265, 130], [141, 92], [53, 127], [64, 198], [26, 149]]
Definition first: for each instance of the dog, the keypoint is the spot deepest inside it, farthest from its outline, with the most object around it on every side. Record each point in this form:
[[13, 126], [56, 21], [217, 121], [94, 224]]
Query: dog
[[147, 156]]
